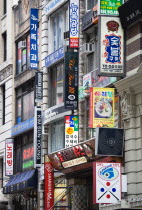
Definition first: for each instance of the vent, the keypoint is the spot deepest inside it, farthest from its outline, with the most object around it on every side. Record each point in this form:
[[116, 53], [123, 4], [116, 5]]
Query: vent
[[87, 48], [109, 141], [21, 44]]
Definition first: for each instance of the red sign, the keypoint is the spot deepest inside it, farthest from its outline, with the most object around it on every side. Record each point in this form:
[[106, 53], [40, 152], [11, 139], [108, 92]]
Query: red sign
[[49, 185], [9, 157]]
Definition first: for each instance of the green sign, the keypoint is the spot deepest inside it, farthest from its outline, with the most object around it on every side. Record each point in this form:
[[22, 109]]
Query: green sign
[[110, 7]]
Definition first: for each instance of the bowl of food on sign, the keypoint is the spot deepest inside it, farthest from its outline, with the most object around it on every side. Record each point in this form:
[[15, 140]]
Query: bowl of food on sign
[[103, 109]]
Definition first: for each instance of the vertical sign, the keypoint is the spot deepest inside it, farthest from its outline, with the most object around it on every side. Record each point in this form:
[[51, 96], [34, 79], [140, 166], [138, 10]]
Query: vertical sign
[[87, 83], [38, 86], [111, 47], [9, 157], [49, 184], [74, 23], [101, 107], [71, 131], [109, 7], [106, 182], [71, 80], [33, 39], [37, 137]]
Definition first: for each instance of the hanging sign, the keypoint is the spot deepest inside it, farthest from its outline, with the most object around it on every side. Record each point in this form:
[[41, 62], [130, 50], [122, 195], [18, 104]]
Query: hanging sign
[[38, 86], [33, 39], [74, 24], [111, 47], [101, 107], [71, 131], [71, 80], [9, 157], [106, 182]]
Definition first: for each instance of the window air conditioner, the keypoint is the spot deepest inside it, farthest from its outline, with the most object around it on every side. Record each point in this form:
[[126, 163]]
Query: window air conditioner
[[21, 44], [87, 48]]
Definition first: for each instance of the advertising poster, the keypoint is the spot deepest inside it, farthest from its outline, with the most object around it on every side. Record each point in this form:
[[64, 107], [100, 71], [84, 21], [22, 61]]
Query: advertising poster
[[34, 38], [9, 157], [87, 83], [74, 24], [49, 184], [109, 7], [116, 111], [71, 130], [101, 107], [111, 47], [71, 80], [106, 182]]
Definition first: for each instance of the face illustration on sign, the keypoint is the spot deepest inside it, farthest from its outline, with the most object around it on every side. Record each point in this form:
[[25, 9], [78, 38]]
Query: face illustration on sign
[[108, 173]]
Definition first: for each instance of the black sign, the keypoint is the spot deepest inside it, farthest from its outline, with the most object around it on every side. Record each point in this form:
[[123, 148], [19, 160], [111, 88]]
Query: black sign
[[71, 80], [37, 136], [38, 86], [130, 12], [87, 21]]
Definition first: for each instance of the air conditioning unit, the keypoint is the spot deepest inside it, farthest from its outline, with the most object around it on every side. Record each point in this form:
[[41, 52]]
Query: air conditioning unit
[[87, 48], [22, 44], [109, 141]]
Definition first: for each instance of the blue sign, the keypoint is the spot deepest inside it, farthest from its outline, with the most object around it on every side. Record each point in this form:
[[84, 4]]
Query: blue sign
[[33, 39], [54, 57], [22, 127]]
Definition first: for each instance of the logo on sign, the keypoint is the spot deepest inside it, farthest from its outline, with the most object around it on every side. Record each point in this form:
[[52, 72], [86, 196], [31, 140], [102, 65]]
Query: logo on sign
[[108, 173]]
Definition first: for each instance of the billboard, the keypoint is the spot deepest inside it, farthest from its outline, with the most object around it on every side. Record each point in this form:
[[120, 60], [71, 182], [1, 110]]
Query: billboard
[[111, 47], [109, 7], [101, 107], [34, 39], [106, 182], [74, 24], [71, 80], [71, 130], [9, 157]]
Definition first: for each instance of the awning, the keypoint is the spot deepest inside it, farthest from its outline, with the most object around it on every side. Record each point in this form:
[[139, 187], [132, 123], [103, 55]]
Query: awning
[[20, 182]]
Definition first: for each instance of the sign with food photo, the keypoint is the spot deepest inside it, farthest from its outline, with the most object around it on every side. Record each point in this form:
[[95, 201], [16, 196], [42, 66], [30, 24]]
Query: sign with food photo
[[101, 107]]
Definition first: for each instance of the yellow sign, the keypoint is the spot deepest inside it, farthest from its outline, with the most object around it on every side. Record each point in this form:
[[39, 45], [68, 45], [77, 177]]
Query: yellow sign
[[101, 107], [69, 130]]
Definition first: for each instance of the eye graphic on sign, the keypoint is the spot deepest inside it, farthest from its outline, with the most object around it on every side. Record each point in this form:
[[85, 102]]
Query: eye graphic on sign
[[69, 130], [108, 173], [71, 97]]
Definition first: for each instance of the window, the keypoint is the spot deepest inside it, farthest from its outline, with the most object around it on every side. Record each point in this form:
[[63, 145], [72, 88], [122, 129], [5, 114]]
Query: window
[[1, 173], [56, 85], [25, 102], [23, 54], [57, 136], [3, 104], [90, 62], [23, 152], [4, 6], [4, 36], [59, 24]]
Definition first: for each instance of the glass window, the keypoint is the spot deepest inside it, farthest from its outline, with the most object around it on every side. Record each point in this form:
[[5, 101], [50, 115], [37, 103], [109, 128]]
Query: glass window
[[57, 136], [56, 85], [28, 106], [90, 59]]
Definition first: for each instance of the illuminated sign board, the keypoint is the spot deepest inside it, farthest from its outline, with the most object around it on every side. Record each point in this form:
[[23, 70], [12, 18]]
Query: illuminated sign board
[[73, 155], [9, 157], [28, 154]]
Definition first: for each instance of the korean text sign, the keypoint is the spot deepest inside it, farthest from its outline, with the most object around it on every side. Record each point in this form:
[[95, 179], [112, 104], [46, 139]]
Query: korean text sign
[[111, 47], [71, 130], [109, 7], [101, 107], [9, 157], [106, 182], [34, 39], [71, 80], [74, 23]]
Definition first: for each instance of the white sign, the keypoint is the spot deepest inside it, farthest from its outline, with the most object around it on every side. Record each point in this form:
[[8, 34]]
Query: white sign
[[9, 157], [53, 5], [107, 182], [111, 47], [74, 23], [74, 162], [87, 83]]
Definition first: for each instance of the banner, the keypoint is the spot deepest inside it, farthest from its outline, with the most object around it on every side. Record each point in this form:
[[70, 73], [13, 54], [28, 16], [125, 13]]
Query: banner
[[9, 157], [111, 47], [71, 131], [106, 182], [101, 107], [37, 137], [48, 184], [74, 24], [109, 7], [71, 80], [33, 39], [38, 86]]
